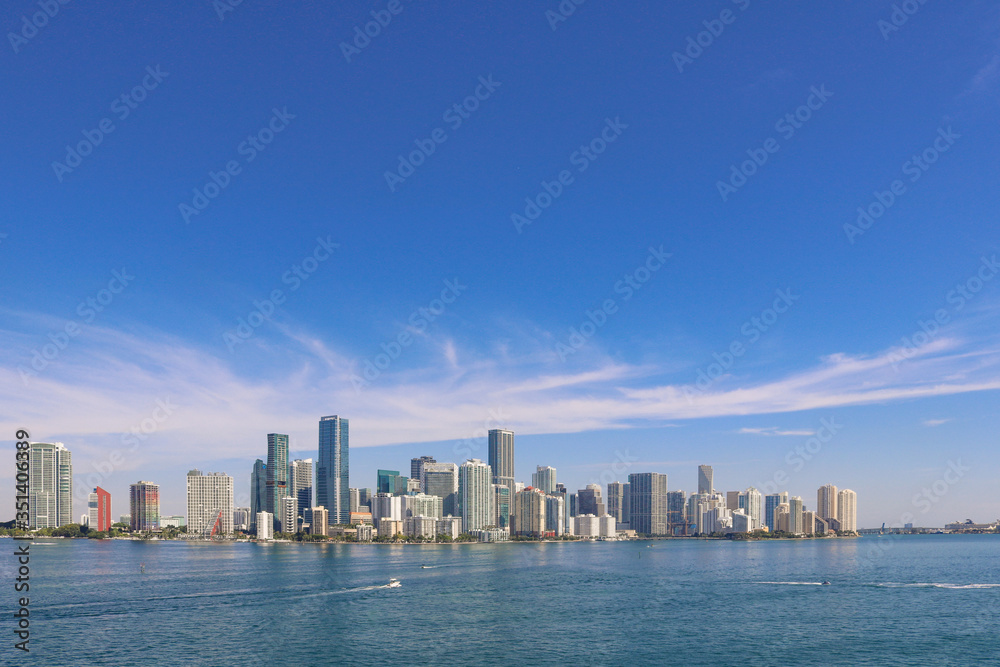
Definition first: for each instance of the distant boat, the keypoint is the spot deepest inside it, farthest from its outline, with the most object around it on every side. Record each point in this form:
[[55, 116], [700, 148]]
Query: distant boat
[[425, 567], [394, 583], [826, 583]]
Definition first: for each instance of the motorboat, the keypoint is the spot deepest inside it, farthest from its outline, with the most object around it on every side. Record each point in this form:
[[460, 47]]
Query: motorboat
[[825, 583], [394, 583]]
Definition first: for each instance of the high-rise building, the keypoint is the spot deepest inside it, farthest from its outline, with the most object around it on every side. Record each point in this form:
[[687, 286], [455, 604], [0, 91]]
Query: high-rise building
[[808, 522], [475, 495], [420, 504], [333, 469], [99, 510], [676, 524], [502, 506], [265, 525], [826, 502], [241, 518], [555, 515], [300, 486], [501, 457], [277, 471], [752, 503], [648, 503], [771, 501], [387, 506], [50, 485], [441, 480], [321, 521], [417, 468], [616, 502], [144, 506], [705, 479], [782, 522], [795, 509], [390, 481], [210, 503], [847, 510], [732, 500], [544, 478], [589, 501], [258, 492], [288, 516], [529, 513]]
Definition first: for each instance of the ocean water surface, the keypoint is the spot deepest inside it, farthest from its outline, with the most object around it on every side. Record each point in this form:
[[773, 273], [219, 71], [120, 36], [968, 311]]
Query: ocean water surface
[[892, 600]]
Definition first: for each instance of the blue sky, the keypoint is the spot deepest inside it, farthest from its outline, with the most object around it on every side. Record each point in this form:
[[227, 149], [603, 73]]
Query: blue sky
[[620, 143]]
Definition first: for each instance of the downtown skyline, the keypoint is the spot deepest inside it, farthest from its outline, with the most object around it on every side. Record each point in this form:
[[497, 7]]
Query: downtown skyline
[[668, 262]]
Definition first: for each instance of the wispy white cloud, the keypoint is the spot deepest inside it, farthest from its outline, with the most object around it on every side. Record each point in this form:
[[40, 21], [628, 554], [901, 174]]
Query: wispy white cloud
[[774, 430], [935, 422]]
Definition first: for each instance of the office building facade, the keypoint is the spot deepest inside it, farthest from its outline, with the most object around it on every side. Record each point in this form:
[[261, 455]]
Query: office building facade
[[847, 510], [475, 495], [544, 478], [209, 503], [501, 457], [277, 470], [333, 468], [144, 506], [648, 503], [50, 485]]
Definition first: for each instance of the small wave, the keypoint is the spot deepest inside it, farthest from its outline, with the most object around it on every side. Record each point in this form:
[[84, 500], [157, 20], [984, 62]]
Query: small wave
[[937, 585], [791, 583]]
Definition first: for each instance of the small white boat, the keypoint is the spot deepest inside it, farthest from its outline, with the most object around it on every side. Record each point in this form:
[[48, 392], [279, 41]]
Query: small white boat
[[394, 583]]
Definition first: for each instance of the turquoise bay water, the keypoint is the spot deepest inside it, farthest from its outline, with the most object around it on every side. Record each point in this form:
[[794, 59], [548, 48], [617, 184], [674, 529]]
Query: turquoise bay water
[[906, 600]]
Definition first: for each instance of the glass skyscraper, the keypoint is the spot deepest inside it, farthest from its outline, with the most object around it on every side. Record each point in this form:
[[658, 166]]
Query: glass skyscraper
[[50, 485], [333, 489], [277, 470], [705, 479], [501, 457], [258, 492], [648, 503]]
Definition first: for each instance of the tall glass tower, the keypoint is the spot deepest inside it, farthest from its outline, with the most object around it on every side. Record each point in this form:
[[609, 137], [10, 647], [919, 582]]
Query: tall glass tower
[[332, 471], [277, 470], [501, 457], [705, 479], [258, 492]]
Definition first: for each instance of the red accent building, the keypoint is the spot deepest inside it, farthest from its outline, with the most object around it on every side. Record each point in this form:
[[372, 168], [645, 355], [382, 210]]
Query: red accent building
[[103, 509]]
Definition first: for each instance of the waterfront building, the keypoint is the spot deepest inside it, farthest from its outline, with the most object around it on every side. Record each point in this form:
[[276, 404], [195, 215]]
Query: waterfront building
[[361, 517], [529, 513], [847, 510], [822, 525], [441, 480], [50, 485], [172, 521], [333, 468], [420, 504], [265, 526], [771, 501], [501, 457], [450, 526], [241, 519], [795, 509], [616, 501], [258, 492], [364, 533], [826, 502], [544, 478], [144, 505], [321, 521], [209, 503], [741, 521], [288, 516], [705, 480], [502, 505], [300, 486], [648, 503], [781, 518], [85, 520], [555, 519], [607, 526], [475, 495], [389, 527], [417, 469], [589, 501], [676, 524], [125, 519], [276, 484], [386, 506], [716, 519], [808, 522], [491, 535], [752, 502], [99, 510], [586, 525], [420, 526]]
